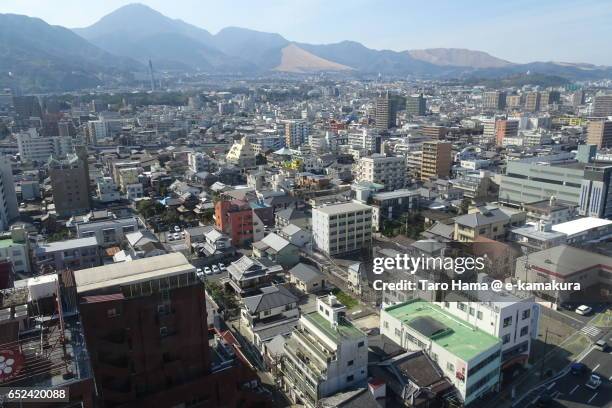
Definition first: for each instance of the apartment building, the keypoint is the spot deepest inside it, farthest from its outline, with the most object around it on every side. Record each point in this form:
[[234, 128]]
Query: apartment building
[[532, 101], [436, 160], [296, 133], [389, 171], [72, 254], [342, 228], [602, 105], [599, 133], [391, 205], [492, 223], [241, 154], [324, 355], [70, 185], [505, 128], [596, 191], [108, 232], [199, 162], [34, 148], [468, 356], [8, 196], [494, 100]]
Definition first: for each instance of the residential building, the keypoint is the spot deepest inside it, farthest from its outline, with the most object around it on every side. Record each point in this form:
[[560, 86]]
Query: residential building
[[247, 275], [434, 132], [235, 218], [277, 249], [532, 101], [493, 223], [505, 128], [158, 306], [107, 190], [324, 355], [551, 211], [34, 148], [389, 171], [307, 278], [468, 356], [584, 230], [70, 185], [199, 162], [342, 228], [15, 248], [108, 232], [97, 131], [596, 191], [8, 198], [494, 100], [599, 133], [241, 154], [296, 133], [385, 112], [436, 160], [416, 105], [602, 106], [391, 205], [72, 254]]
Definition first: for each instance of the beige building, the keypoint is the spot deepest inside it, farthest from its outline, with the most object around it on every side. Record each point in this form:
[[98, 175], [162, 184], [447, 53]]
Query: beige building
[[436, 159], [389, 171], [70, 185], [599, 133], [532, 102], [241, 154], [492, 223]]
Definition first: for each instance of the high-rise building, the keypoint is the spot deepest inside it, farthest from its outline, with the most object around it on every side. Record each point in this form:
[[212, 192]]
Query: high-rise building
[[389, 171], [578, 98], [241, 154], [70, 185], [146, 329], [505, 128], [27, 107], [532, 101], [416, 105], [342, 228], [386, 112], [434, 132], [97, 131], [548, 98], [602, 106], [34, 148], [296, 133], [599, 133], [436, 159], [495, 100], [8, 199], [596, 191], [513, 101]]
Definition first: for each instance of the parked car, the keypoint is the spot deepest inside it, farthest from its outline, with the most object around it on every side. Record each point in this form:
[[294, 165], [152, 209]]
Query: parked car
[[594, 382], [177, 228], [222, 267], [568, 306], [584, 310], [577, 368], [601, 345], [216, 269], [176, 235], [170, 237], [207, 270]]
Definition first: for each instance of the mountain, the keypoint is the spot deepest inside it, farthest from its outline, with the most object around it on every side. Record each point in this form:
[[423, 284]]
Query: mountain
[[37, 56], [296, 60], [458, 57], [144, 34], [262, 49]]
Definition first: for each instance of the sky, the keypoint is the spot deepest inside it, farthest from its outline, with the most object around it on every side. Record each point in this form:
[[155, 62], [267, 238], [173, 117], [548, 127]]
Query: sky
[[515, 30]]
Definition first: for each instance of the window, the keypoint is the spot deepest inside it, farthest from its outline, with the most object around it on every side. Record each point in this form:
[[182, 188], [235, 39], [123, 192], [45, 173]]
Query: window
[[386, 325], [524, 331], [461, 306], [446, 305], [508, 321], [506, 339], [434, 357], [350, 363], [398, 332], [349, 378], [472, 311], [526, 314], [479, 315], [450, 366], [112, 313], [165, 295], [360, 344]]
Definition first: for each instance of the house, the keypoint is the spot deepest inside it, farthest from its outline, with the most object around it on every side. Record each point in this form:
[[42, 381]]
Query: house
[[296, 235], [72, 254], [144, 244], [247, 275], [277, 249], [307, 278], [271, 312]]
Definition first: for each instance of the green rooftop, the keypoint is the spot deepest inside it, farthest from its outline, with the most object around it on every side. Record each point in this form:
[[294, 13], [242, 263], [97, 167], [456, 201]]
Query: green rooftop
[[453, 334], [5, 243], [345, 328]]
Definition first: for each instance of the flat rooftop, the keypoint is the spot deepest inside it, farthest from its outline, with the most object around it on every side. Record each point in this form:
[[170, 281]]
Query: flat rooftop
[[458, 337], [342, 208], [345, 328], [580, 225]]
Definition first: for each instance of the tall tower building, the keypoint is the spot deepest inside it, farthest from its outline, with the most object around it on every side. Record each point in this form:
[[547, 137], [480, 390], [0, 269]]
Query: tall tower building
[[495, 100], [70, 185], [532, 102], [386, 112], [8, 199], [416, 105], [505, 128], [578, 98], [296, 133], [599, 133], [602, 106], [437, 159]]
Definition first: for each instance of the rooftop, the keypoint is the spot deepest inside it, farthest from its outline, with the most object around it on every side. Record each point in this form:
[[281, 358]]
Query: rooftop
[[341, 208], [565, 260], [345, 329], [451, 333], [67, 245], [580, 225]]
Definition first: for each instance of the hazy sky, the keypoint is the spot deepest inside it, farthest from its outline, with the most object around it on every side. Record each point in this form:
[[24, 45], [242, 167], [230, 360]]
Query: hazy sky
[[517, 30]]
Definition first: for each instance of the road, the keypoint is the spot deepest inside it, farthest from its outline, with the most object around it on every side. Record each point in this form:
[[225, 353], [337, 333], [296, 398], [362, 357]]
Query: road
[[570, 390]]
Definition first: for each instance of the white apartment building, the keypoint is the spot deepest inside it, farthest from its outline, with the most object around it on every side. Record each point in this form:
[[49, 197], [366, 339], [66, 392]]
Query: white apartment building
[[98, 131], [8, 198], [365, 140], [108, 232], [341, 228], [512, 320], [468, 356], [387, 170], [107, 190], [296, 133], [198, 162], [33, 148], [324, 355]]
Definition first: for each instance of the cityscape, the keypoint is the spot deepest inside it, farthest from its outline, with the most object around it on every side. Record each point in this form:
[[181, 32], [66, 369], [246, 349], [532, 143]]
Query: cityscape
[[240, 219]]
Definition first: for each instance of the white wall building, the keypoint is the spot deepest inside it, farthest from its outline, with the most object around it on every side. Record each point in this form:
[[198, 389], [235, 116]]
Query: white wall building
[[8, 198], [341, 228], [389, 171], [33, 148]]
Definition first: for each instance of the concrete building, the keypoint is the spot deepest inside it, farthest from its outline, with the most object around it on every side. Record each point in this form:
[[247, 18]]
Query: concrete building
[[599, 133], [385, 112], [416, 105], [15, 248], [434, 132], [492, 223], [199, 162], [324, 355], [72, 254], [277, 249], [296, 133], [241, 154], [342, 228], [505, 128], [107, 190], [468, 356], [602, 106], [596, 191], [34, 148], [70, 185], [494, 100], [389, 171], [97, 131], [108, 232], [532, 101], [8, 198], [436, 160], [392, 204]]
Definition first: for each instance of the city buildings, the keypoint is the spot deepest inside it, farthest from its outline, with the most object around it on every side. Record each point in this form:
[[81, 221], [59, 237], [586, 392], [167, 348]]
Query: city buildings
[[324, 355], [8, 197], [389, 171], [72, 254], [241, 154], [386, 111], [602, 106], [599, 133], [416, 105], [341, 228], [494, 100], [70, 185], [296, 133], [436, 159]]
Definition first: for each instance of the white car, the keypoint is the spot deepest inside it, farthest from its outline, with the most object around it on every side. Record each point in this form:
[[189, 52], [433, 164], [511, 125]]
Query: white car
[[177, 228], [594, 382], [584, 310], [216, 269], [222, 267], [207, 270], [170, 237], [199, 272], [176, 235]]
